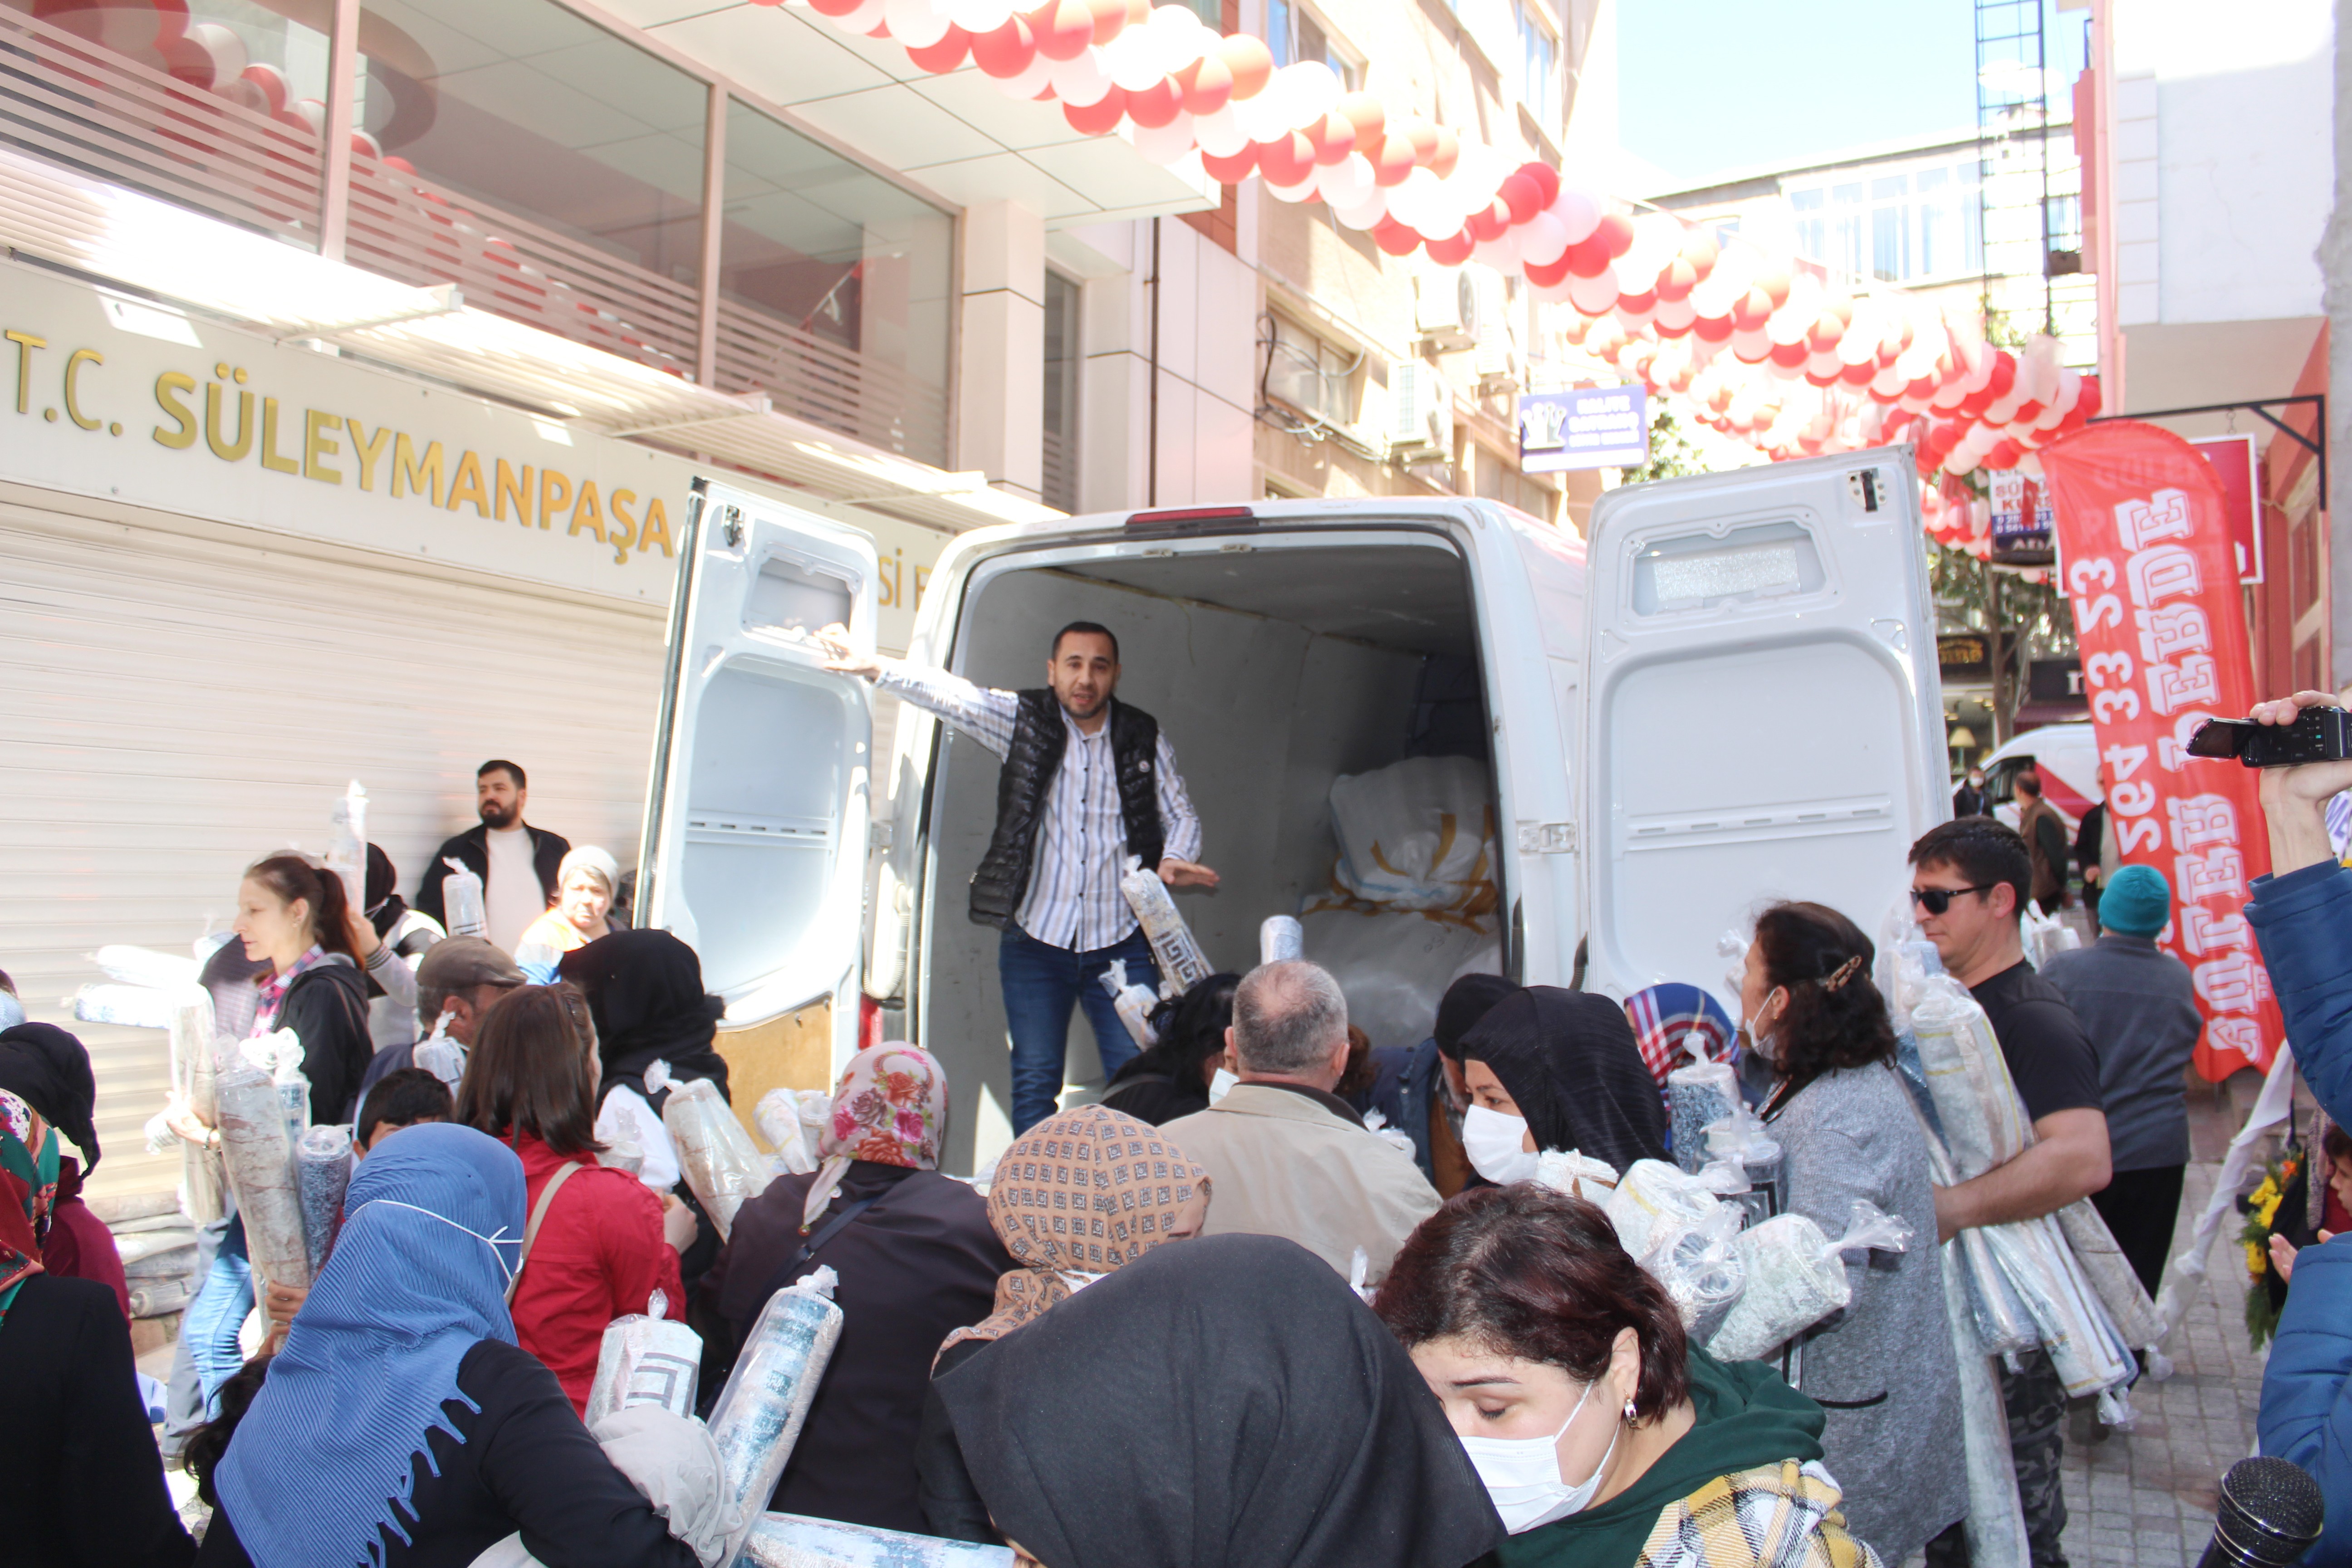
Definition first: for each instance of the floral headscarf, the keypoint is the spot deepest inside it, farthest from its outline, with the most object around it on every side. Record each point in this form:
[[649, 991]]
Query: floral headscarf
[[891, 1107], [28, 1185], [1080, 1193]]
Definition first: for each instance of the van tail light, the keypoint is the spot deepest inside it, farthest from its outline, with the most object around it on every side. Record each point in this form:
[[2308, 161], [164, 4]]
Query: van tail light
[[1191, 520], [869, 1021]]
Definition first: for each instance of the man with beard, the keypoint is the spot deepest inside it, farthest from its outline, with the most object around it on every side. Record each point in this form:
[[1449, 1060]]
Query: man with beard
[[521, 865], [1089, 781]]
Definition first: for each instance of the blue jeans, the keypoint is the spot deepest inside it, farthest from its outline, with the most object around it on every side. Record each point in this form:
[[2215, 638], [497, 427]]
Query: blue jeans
[[1041, 981], [211, 1323]]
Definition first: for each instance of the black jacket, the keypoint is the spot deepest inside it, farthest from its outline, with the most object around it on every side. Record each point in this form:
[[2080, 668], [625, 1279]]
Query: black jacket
[[526, 1463], [1040, 736], [80, 1483], [2086, 840], [471, 849], [327, 1009]]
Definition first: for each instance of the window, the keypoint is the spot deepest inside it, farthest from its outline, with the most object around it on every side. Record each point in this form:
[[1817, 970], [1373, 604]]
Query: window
[[1309, 374], [1890, 228], [1294, 34], [1900, 226], [1539, 69], [1061, 490], [2066, 221]]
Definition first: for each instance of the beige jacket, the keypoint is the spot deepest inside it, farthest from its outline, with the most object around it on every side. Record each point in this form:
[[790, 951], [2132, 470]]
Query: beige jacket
[[1281, 1164]]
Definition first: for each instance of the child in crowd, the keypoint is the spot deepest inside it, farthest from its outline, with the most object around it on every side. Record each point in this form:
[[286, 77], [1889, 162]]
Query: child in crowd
[[401, 1099]]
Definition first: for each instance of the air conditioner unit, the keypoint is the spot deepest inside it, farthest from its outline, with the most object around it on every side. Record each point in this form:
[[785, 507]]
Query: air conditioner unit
[[1492, 336], [1445, 308], [1421, 412]]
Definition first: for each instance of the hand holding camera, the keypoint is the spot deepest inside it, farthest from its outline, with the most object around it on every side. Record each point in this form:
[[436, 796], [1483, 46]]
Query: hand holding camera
[[2304, 745]]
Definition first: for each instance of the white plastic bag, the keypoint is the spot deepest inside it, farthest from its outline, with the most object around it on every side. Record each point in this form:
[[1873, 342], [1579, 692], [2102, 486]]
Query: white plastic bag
[[1796, 1277], [461, 900], [1132, 1003], [347, 844], [1182, 964], [1417, 835], [1653, 1193], [1279, 939], [1701, 1268], [717, 1157], [789, 1119], [1580, 1175], [1393, 968]]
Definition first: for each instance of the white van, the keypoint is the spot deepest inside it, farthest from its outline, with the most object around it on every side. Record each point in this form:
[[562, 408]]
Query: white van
[[1730, 694], [2065, 757]]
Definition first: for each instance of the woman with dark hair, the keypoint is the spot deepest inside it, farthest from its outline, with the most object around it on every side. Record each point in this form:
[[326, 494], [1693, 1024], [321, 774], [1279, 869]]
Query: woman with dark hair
[[1170, 1078], [1603, 1438], [1882, 1371], [597, 1245], [293, 917], [399, 1423], [1224, 1404], [645, 992], [1553, 1069]]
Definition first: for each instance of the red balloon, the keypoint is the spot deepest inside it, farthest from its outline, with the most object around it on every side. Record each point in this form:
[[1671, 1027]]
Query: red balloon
[[948, 53], [1791, 354], [1712, 329], [1678, 280], [1522, 195], [1334, 137], [1861, 374], [1393, 166], [1615, 233], [1368, 115], [1006, 51], [1098, 119], [1923, 388], [1490, 224], [2004, 377], [1249, 60], [1063, 28], [1638, 304], [1698, 248], [1823, 377], [1751, 310], [1156, 105], [1110, 19], [2087, 403], [1547, 179], [1776, 288], [1548, 273], [1823, 335], [1287, 160], [835, 7], [1208, 84], [1394, 238], [1665, 330], [1232, 171], [1588, 258], [1451, 251], [2004, 456]]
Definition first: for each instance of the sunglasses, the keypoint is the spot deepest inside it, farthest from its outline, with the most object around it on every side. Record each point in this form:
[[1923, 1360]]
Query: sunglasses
[[1935, 900]]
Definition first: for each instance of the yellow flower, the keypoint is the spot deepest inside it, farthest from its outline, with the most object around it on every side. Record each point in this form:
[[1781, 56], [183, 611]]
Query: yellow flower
[[2268, 1211], [2255, 1262]]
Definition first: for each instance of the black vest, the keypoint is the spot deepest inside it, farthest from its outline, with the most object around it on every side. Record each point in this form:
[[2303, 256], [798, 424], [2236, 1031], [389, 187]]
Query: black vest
[[1040, 735]]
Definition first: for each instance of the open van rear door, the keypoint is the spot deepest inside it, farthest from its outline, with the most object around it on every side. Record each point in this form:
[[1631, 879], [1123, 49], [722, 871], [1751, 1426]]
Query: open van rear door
[[1764, 716], [754, 849]]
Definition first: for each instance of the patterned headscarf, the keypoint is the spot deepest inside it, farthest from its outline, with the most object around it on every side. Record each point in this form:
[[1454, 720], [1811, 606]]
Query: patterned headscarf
[[891, 1107], [1082, 1192], [1673, 1018], [28, 1185]]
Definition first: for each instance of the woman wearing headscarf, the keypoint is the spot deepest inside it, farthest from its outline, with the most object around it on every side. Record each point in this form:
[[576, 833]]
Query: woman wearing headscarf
[[401, 1423], [916, 1260], [1224, 1404], [1605, 1439], [1083, 1192], [1883, 1370], [1171, 1076], [390, 938], [645, 995], [81, 1485], [1553, 1069], [49, 1070], [601, 1246], [586, 883]]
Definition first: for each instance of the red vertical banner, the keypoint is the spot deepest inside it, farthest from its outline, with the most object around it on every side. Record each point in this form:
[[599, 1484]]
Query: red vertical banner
[[2148, 565]]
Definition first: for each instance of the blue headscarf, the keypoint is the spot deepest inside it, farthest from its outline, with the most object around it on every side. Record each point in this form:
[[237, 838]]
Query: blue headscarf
[[324, 1453]]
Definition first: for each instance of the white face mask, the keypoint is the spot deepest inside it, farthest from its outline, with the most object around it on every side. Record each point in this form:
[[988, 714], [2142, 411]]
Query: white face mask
[[496, 1244], [1494, 1143], [1221, 1084], [1522, 1473]]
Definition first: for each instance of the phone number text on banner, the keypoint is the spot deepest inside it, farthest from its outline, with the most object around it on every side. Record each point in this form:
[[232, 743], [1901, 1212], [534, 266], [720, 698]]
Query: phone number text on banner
[[2147, 565]]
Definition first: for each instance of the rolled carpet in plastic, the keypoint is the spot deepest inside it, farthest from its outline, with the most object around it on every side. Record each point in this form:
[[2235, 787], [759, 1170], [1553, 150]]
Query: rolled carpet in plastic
[[791, 1540], [718, 1158], [759, 1413], [322, 1171], [260, 1166]]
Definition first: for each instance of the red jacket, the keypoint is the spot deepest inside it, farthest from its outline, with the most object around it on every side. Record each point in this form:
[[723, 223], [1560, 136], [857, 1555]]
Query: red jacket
[[598, 1254]]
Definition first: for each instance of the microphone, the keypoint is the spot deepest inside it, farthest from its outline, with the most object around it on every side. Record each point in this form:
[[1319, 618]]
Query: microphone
[[2271, 1513]]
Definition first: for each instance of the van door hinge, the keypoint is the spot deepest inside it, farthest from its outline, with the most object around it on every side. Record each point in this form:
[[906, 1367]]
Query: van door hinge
[[877, 835], [1547, 838]]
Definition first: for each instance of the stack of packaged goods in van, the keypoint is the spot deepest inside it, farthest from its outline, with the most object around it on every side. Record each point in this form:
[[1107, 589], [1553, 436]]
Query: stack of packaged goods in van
[[1412, 903]]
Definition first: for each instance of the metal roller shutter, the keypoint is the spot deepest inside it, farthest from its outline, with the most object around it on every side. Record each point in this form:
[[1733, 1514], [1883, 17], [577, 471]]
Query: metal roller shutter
[[178, 698]]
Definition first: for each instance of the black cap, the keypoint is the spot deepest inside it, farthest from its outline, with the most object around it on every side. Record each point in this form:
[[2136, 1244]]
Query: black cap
[[49, 1069]]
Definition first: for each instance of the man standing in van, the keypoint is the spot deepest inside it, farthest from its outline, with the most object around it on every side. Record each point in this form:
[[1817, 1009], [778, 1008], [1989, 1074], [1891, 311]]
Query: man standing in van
[[1087, 781], [1970, 883]]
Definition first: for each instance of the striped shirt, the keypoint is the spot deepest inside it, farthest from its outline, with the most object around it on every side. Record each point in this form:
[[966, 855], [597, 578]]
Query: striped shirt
[[1073, 899]]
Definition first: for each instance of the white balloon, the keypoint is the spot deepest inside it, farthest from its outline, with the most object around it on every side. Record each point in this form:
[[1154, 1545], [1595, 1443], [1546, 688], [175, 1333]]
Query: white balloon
[[1081, 81], [1366, 213], [1318, 87], [868, 16], [1577, 212], [1543, 239], [917, 24], [1132, 60], [1262, 117], [1292, 193], [1220, 134], [1592, 296], [977, 17], [1347, 182], [1632, 274], [1165, 145], [1676, 314], [1035, 78], [1502, 255]]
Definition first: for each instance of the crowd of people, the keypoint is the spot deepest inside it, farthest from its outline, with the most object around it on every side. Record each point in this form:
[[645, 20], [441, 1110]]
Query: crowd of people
[[1274, 1300]]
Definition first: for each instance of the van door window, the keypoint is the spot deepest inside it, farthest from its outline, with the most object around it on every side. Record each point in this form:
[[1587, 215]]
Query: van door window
[[1739, 566]]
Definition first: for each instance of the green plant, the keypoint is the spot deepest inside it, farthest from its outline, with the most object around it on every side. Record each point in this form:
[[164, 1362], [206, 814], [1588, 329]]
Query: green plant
[[1672, 453]]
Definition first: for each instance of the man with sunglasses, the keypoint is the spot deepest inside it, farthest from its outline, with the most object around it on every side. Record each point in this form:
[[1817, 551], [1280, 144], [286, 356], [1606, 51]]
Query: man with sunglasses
[[1970, 882]]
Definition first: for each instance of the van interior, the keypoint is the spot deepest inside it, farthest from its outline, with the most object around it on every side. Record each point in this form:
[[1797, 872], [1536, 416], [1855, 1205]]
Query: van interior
[[1275, 663]]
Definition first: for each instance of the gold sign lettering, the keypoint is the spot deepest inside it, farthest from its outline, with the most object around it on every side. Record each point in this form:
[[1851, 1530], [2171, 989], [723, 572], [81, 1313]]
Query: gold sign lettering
[[316, 445]]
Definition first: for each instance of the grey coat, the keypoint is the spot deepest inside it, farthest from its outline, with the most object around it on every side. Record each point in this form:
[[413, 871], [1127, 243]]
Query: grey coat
[[1883, 1372]]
